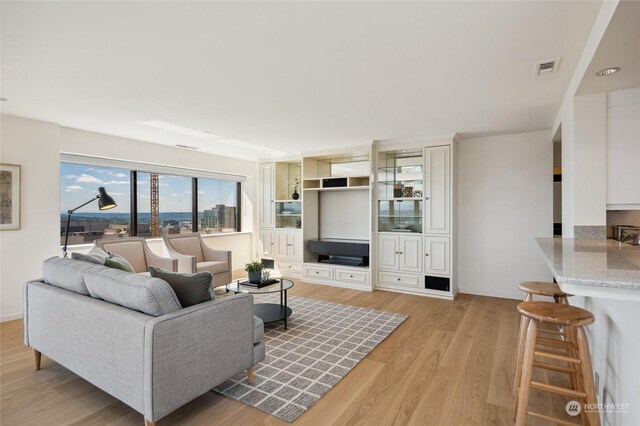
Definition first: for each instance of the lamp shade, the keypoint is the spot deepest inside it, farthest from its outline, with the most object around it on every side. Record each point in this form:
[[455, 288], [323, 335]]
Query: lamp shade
[[105, 202]]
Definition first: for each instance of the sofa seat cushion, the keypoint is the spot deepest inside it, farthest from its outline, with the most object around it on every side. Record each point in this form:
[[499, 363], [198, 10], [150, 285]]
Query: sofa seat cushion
[[68, 273], [213, 267], [148, 295], [191, 289], [258, 329]]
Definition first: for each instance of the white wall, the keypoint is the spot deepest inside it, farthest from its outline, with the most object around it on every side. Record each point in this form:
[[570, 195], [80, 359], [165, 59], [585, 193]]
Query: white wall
[[335, 224], [589, 160], [505, 200], [35, 146]]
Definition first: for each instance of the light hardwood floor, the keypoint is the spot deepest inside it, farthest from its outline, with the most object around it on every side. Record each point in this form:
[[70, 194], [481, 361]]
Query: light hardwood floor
[[449, 363]]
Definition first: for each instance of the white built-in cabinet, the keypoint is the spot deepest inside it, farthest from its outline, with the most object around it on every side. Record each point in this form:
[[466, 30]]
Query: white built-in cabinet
[[288, 245], [415, 232], [268, 241], [267, 195], [437, 189], [280, 235], [623, 150], [437, 260], [400, 252]]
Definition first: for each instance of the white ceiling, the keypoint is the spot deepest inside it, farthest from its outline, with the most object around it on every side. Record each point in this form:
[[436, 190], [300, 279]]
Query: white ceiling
[[619, 47], [291, 76]]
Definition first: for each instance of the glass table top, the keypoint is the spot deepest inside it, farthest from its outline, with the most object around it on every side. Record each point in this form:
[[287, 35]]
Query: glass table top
[[282, 285]]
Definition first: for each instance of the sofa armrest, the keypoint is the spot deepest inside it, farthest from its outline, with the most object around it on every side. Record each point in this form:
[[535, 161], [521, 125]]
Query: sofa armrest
[[160, 262], [185, 263], [190, 351], [215, 255]]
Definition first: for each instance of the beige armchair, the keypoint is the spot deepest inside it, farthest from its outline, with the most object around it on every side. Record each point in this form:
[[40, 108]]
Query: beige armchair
[[136, 251], [194, 255]]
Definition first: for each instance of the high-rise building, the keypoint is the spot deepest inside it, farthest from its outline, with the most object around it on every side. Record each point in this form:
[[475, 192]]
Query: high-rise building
[[220, 216]]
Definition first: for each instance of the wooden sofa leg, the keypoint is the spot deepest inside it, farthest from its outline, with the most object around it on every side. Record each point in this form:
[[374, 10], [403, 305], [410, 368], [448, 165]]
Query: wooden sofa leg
[[250, 375], [37, 357], [149, 423]]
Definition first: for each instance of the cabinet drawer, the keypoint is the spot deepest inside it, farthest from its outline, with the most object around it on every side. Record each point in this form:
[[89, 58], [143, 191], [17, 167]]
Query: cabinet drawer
[[318, 272], [286, 267], [403, 280], [350, 275]]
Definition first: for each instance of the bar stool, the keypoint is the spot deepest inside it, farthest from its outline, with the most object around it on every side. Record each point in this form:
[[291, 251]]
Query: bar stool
[[542, 288], [573, 319], [538, 288]]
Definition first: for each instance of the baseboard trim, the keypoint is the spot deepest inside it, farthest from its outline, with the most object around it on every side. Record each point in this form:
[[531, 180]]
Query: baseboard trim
[[498, 294], [11, 317]]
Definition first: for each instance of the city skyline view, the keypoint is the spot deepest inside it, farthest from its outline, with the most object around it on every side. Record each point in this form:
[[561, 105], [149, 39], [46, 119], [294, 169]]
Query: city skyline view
[[80, 182]]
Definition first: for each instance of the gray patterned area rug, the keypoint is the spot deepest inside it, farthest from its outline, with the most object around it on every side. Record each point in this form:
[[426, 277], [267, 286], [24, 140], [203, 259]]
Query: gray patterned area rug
[[323, 342]]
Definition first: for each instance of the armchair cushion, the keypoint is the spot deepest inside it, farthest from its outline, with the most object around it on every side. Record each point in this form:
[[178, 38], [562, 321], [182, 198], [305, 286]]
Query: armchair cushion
[[213, 267], [191, 289], [131, 250]]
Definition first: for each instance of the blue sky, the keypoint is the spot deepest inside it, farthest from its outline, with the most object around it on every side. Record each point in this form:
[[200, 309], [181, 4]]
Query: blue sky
[[79, 183]]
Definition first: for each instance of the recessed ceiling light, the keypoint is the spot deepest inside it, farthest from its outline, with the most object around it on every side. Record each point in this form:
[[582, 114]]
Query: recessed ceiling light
[[179, 129], [607, 71]]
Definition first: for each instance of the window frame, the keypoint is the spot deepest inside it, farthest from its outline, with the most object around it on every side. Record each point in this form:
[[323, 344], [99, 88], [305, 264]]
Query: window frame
[[135, 167]]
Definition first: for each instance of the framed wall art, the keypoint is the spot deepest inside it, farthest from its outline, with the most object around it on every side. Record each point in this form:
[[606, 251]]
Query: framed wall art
[[9, 197]]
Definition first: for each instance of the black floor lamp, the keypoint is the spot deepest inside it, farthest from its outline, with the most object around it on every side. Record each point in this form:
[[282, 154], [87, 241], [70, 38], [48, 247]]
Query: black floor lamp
[[105, 202]]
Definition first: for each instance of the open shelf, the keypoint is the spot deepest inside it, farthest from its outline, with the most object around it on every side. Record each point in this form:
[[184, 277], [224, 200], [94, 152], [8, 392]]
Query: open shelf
[[336, 183]]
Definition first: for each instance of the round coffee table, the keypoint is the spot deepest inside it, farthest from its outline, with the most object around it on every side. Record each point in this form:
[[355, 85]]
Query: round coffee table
[[267, 312]]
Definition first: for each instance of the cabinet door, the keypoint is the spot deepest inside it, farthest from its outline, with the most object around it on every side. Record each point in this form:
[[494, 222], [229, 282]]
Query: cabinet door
[[411, 253], [388, 251], [282, 244], [268, 242], [623, 149], [295, 245], [436, 255], [437, 189], [267, 208]]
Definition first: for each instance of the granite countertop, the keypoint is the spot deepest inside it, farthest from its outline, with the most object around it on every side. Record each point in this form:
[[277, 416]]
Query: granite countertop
[[595, 268]]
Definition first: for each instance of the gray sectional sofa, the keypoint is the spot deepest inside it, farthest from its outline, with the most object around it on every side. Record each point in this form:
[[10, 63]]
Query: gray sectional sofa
[[128, 335]]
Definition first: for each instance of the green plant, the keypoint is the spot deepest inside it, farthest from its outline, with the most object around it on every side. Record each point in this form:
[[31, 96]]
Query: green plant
[[253, 267]]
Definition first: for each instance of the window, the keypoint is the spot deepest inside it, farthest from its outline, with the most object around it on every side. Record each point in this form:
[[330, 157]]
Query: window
[[217, 206], [79, 183], [214, 208], [175, 206]]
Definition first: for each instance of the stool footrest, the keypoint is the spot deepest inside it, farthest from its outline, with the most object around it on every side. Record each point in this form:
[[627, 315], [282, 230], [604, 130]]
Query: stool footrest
[[557, 356], [554, 332], [551, 419], [558, 368], [554, 343], [557, 389]]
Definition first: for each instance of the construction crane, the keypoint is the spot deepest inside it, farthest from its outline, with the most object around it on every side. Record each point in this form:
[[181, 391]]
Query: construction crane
[[155, 206]]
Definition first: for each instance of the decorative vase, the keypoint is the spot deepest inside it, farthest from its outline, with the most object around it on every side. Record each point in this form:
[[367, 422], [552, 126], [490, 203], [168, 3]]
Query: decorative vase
[[255, 277], [295, 194]]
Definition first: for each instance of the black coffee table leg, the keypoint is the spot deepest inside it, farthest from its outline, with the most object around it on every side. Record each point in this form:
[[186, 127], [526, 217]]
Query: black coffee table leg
[[285, 307]]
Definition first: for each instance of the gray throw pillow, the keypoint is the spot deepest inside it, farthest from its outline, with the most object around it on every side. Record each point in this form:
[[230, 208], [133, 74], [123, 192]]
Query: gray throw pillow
[[86, 258], [118, 262], [191, 289]]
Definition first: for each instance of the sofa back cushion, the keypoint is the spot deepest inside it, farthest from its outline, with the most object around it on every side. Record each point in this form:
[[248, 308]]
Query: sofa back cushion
[[68, 273], [148, 295], [189, 246], [132, 251]]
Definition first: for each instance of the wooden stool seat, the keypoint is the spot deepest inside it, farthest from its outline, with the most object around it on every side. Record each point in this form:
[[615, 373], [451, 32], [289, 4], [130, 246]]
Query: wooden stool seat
[[541, 288], [555, 313]]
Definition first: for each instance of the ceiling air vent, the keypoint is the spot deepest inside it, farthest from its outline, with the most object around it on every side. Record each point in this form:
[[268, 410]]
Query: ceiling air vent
[[545, 67], [187, 146]]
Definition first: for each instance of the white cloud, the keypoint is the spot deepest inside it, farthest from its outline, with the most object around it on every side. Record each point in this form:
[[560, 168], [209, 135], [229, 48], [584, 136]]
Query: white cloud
[[118, 193], [116, 182], [119, 175], [174, 195], [87, 179], [73, 188], [201, 192]]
